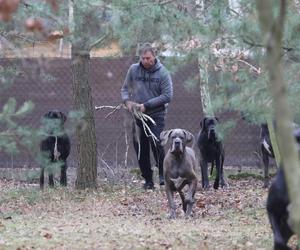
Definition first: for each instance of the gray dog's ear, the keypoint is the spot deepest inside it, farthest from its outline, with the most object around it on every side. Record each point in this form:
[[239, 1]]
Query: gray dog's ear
[[164, 136], [189, 136]]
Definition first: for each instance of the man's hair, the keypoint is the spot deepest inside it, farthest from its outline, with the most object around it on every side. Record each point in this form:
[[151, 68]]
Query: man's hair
[[147, 47]]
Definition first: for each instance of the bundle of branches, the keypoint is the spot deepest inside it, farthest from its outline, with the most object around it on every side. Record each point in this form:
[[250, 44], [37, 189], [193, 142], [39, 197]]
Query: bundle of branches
[[136, 115]]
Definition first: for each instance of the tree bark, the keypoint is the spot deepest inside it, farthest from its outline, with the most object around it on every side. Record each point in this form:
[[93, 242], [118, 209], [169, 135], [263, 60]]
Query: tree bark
[[272, 29], [204, 86], [83, 101]]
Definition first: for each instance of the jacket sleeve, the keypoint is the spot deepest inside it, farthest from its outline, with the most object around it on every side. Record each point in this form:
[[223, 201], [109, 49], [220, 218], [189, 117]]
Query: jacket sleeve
[[166, 92], [125, 93]]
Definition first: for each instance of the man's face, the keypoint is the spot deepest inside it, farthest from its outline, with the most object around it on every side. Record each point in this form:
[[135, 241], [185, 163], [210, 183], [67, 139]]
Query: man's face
[[147, 59]]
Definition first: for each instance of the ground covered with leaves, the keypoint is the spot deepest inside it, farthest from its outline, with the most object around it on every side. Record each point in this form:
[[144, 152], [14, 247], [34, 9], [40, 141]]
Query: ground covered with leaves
[[126, 217]]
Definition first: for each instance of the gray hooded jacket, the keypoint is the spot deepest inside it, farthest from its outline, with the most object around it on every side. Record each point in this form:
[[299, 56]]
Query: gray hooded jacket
[[152, 87]]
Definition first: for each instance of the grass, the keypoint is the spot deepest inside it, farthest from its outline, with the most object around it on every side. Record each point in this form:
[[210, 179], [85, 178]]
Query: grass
[[126, 217]]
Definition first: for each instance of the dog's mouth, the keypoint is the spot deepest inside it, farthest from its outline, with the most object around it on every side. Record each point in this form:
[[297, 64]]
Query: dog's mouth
[[177, 148], [211, 134]]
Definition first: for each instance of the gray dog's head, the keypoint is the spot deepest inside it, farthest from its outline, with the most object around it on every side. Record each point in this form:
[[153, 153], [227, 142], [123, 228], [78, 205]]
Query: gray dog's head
[[53, 121], [208, 125], [179, 138]]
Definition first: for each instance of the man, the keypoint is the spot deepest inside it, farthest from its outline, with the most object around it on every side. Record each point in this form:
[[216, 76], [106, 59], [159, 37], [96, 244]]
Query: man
[[148, 88]]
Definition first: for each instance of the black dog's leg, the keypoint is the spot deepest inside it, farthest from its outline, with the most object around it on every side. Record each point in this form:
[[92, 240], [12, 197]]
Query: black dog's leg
[[205, 181], [63, 175], [280, 240], [212, 168], [217, 179], [51, 179], [265, 159], [42, 178], [223, 183]]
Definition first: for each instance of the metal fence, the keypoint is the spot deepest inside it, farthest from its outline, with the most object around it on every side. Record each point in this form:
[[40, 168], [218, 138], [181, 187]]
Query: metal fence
[[48, 83]]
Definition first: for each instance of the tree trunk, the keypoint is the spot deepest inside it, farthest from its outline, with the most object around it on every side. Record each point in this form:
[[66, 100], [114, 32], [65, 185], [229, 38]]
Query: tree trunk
[[274, 142], [86, 146], [272, 29], [204, 86]]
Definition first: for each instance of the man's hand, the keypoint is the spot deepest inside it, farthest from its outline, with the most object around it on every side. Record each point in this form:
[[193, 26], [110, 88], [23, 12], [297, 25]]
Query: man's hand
[[141, 107], [130, 105], [133, 105]]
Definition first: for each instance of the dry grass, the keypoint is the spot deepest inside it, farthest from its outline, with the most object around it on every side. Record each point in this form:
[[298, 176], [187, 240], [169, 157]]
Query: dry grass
[[126, 217]]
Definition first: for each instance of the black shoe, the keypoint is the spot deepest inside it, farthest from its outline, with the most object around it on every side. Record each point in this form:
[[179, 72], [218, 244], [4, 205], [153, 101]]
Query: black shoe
[[161, 180], [148, 185]]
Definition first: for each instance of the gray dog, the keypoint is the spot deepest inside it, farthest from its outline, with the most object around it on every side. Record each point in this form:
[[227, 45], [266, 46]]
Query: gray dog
[[179, 169]]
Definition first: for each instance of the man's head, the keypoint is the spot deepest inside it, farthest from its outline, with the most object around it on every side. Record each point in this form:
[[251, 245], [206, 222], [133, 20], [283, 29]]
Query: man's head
[[147, 56]]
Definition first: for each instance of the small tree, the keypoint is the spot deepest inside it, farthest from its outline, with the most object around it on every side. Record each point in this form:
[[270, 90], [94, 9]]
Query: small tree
[[89, 28], [12, 134], [85, 26], [272, 27]]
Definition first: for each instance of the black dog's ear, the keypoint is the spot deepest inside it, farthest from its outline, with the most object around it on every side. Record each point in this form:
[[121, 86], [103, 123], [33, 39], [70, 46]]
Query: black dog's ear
[[48, 114], [63, 117], [188, 136], [164, 136], [202, 123], [217, 118]]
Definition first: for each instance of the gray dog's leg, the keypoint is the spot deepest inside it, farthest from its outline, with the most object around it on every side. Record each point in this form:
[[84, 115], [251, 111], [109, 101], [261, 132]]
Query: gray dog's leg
[[189, 200], [183, 200], [172, 207]]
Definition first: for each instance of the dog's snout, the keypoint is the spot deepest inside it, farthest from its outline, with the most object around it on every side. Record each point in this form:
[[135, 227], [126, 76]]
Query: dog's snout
[[177, 142]]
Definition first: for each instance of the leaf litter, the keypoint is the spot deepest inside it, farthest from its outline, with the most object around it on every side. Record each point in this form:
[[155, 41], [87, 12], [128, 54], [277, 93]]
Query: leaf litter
[[130, 218]]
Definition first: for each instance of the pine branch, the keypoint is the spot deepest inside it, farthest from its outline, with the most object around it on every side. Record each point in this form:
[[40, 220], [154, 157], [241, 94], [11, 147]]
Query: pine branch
[[99, 41]]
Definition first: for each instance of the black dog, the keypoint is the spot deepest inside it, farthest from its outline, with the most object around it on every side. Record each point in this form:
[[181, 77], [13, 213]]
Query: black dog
[[266, 151], [55, 146], [211, 151], [277, 207]]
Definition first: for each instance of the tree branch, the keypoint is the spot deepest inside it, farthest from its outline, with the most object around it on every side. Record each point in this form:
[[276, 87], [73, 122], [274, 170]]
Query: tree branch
[[260, 45], [99, 41], [161, 3]]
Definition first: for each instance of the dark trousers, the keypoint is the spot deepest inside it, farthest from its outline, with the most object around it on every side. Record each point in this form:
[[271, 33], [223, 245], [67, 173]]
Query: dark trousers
[[143, 151]]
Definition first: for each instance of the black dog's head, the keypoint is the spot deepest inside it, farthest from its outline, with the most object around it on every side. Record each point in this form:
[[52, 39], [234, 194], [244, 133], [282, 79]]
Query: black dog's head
[[179, 138], [54, 121], [208, 125]]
